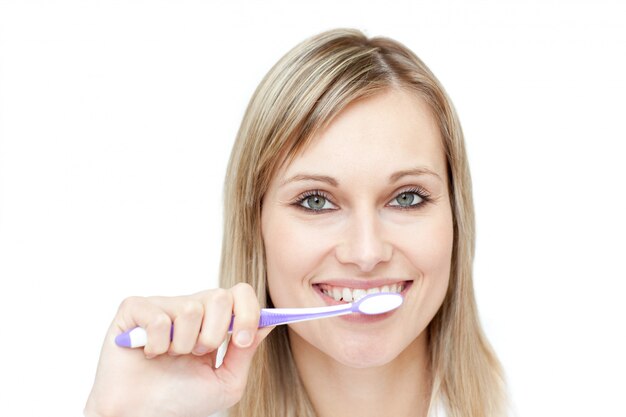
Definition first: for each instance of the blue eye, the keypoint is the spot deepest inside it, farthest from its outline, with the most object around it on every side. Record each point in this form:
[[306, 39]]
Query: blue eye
[[406, 200], [410, 199], [315, 201]]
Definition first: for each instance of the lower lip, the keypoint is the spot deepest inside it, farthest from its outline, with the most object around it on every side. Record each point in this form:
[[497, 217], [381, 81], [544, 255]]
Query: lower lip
[[359, 317]]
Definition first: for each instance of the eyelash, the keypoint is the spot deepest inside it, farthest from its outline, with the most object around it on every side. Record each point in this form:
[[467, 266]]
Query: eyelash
[[422, 193]]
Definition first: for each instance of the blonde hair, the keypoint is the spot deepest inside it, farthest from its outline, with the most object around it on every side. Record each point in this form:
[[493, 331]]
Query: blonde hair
[[299, 96]]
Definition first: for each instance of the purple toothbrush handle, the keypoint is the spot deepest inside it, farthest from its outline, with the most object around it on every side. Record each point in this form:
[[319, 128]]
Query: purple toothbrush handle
[[270, 317], [137, 337], [267, 319]]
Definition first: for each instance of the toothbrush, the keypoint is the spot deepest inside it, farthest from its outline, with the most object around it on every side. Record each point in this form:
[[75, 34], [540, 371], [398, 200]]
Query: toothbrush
[[371, 304]]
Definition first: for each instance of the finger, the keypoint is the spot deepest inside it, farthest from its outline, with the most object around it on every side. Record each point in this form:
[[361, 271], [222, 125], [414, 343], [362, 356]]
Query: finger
[[139, 311], [186, 326], [236, 363], [218, 307], [215, 357], [247, 311]]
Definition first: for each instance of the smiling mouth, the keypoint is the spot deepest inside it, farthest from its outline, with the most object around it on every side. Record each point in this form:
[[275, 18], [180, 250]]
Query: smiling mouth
[[340, 294]]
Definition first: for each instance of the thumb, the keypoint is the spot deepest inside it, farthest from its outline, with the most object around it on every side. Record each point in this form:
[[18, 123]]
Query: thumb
[[236, 363]]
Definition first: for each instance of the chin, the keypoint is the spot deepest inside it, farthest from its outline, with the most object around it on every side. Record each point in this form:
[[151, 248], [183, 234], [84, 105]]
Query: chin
[[363, 360], [355, 353]]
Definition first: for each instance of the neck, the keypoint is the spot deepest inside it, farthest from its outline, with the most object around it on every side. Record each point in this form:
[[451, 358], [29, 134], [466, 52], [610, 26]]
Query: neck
[[400, 388]]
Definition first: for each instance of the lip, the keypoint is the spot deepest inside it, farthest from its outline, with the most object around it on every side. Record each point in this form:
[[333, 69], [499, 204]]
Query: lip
[[356, 317]]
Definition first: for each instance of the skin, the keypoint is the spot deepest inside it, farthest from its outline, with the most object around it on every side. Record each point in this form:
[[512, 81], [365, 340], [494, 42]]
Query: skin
[[358, 233], [371, 367], [177, 378]]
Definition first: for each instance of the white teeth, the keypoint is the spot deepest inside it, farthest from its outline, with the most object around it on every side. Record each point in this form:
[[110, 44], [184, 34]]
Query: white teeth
[[354, 294], [358, 294]]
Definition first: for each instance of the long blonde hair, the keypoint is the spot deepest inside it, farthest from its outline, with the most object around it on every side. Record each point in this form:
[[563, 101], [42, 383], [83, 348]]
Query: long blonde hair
[[299, 96]]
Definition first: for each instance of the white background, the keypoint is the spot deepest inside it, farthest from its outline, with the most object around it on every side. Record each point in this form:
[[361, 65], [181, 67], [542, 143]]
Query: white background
[[116, 122]]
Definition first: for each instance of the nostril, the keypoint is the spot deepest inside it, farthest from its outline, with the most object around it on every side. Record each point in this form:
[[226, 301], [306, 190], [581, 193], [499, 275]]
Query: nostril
[[364, 252], [364, 245]]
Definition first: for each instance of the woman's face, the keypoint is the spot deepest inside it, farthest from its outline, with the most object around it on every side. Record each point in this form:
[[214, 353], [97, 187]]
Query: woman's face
[[364, 208]]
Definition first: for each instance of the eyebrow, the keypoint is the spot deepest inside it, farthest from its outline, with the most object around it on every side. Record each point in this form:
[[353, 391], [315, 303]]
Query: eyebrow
[[311, 177], [419, 171], [415, 171]]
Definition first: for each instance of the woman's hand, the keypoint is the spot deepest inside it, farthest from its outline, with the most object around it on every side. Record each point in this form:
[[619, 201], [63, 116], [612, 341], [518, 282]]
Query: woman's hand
[[178, 378]]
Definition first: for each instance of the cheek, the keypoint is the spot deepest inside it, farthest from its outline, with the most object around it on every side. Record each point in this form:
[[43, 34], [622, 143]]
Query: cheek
[[428, 245], [428, 251], [432, 256], [436, 252], [292, 253]]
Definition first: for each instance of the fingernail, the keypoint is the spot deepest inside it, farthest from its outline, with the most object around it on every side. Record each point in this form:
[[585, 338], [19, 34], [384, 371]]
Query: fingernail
[[200, 350], [243, 339]]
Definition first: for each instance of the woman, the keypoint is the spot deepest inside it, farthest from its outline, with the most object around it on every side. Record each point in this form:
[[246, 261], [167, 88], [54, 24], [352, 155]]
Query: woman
[[349, 175]]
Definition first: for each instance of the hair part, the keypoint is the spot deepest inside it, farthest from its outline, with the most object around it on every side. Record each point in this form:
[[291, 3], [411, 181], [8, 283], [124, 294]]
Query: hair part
[[298, 98]]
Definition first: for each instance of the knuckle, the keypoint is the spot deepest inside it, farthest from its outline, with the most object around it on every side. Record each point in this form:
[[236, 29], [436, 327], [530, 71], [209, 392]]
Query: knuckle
[[160, 321], [244, 292], [129, 302], [243, 287], [221, 297], [192, 309]]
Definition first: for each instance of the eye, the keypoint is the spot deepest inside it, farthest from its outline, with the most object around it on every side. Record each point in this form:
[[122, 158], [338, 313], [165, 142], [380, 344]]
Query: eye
[[412, 198], [315, 201]]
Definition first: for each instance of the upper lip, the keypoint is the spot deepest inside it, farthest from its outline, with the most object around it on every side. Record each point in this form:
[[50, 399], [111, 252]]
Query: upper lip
[[364, 283]]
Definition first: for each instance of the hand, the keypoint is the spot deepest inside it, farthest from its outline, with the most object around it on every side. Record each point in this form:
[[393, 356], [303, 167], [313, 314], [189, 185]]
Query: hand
[[178, 378]]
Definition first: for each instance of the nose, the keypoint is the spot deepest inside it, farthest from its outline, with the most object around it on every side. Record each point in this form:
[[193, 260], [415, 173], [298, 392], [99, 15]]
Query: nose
[[363, 243]]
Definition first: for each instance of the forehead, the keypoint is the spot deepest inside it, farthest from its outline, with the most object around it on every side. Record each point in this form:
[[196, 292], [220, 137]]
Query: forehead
[[376, 135]]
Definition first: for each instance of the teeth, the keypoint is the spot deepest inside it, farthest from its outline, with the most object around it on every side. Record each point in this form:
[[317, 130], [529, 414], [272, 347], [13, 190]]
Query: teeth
[[358, 294], [354, 294]]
